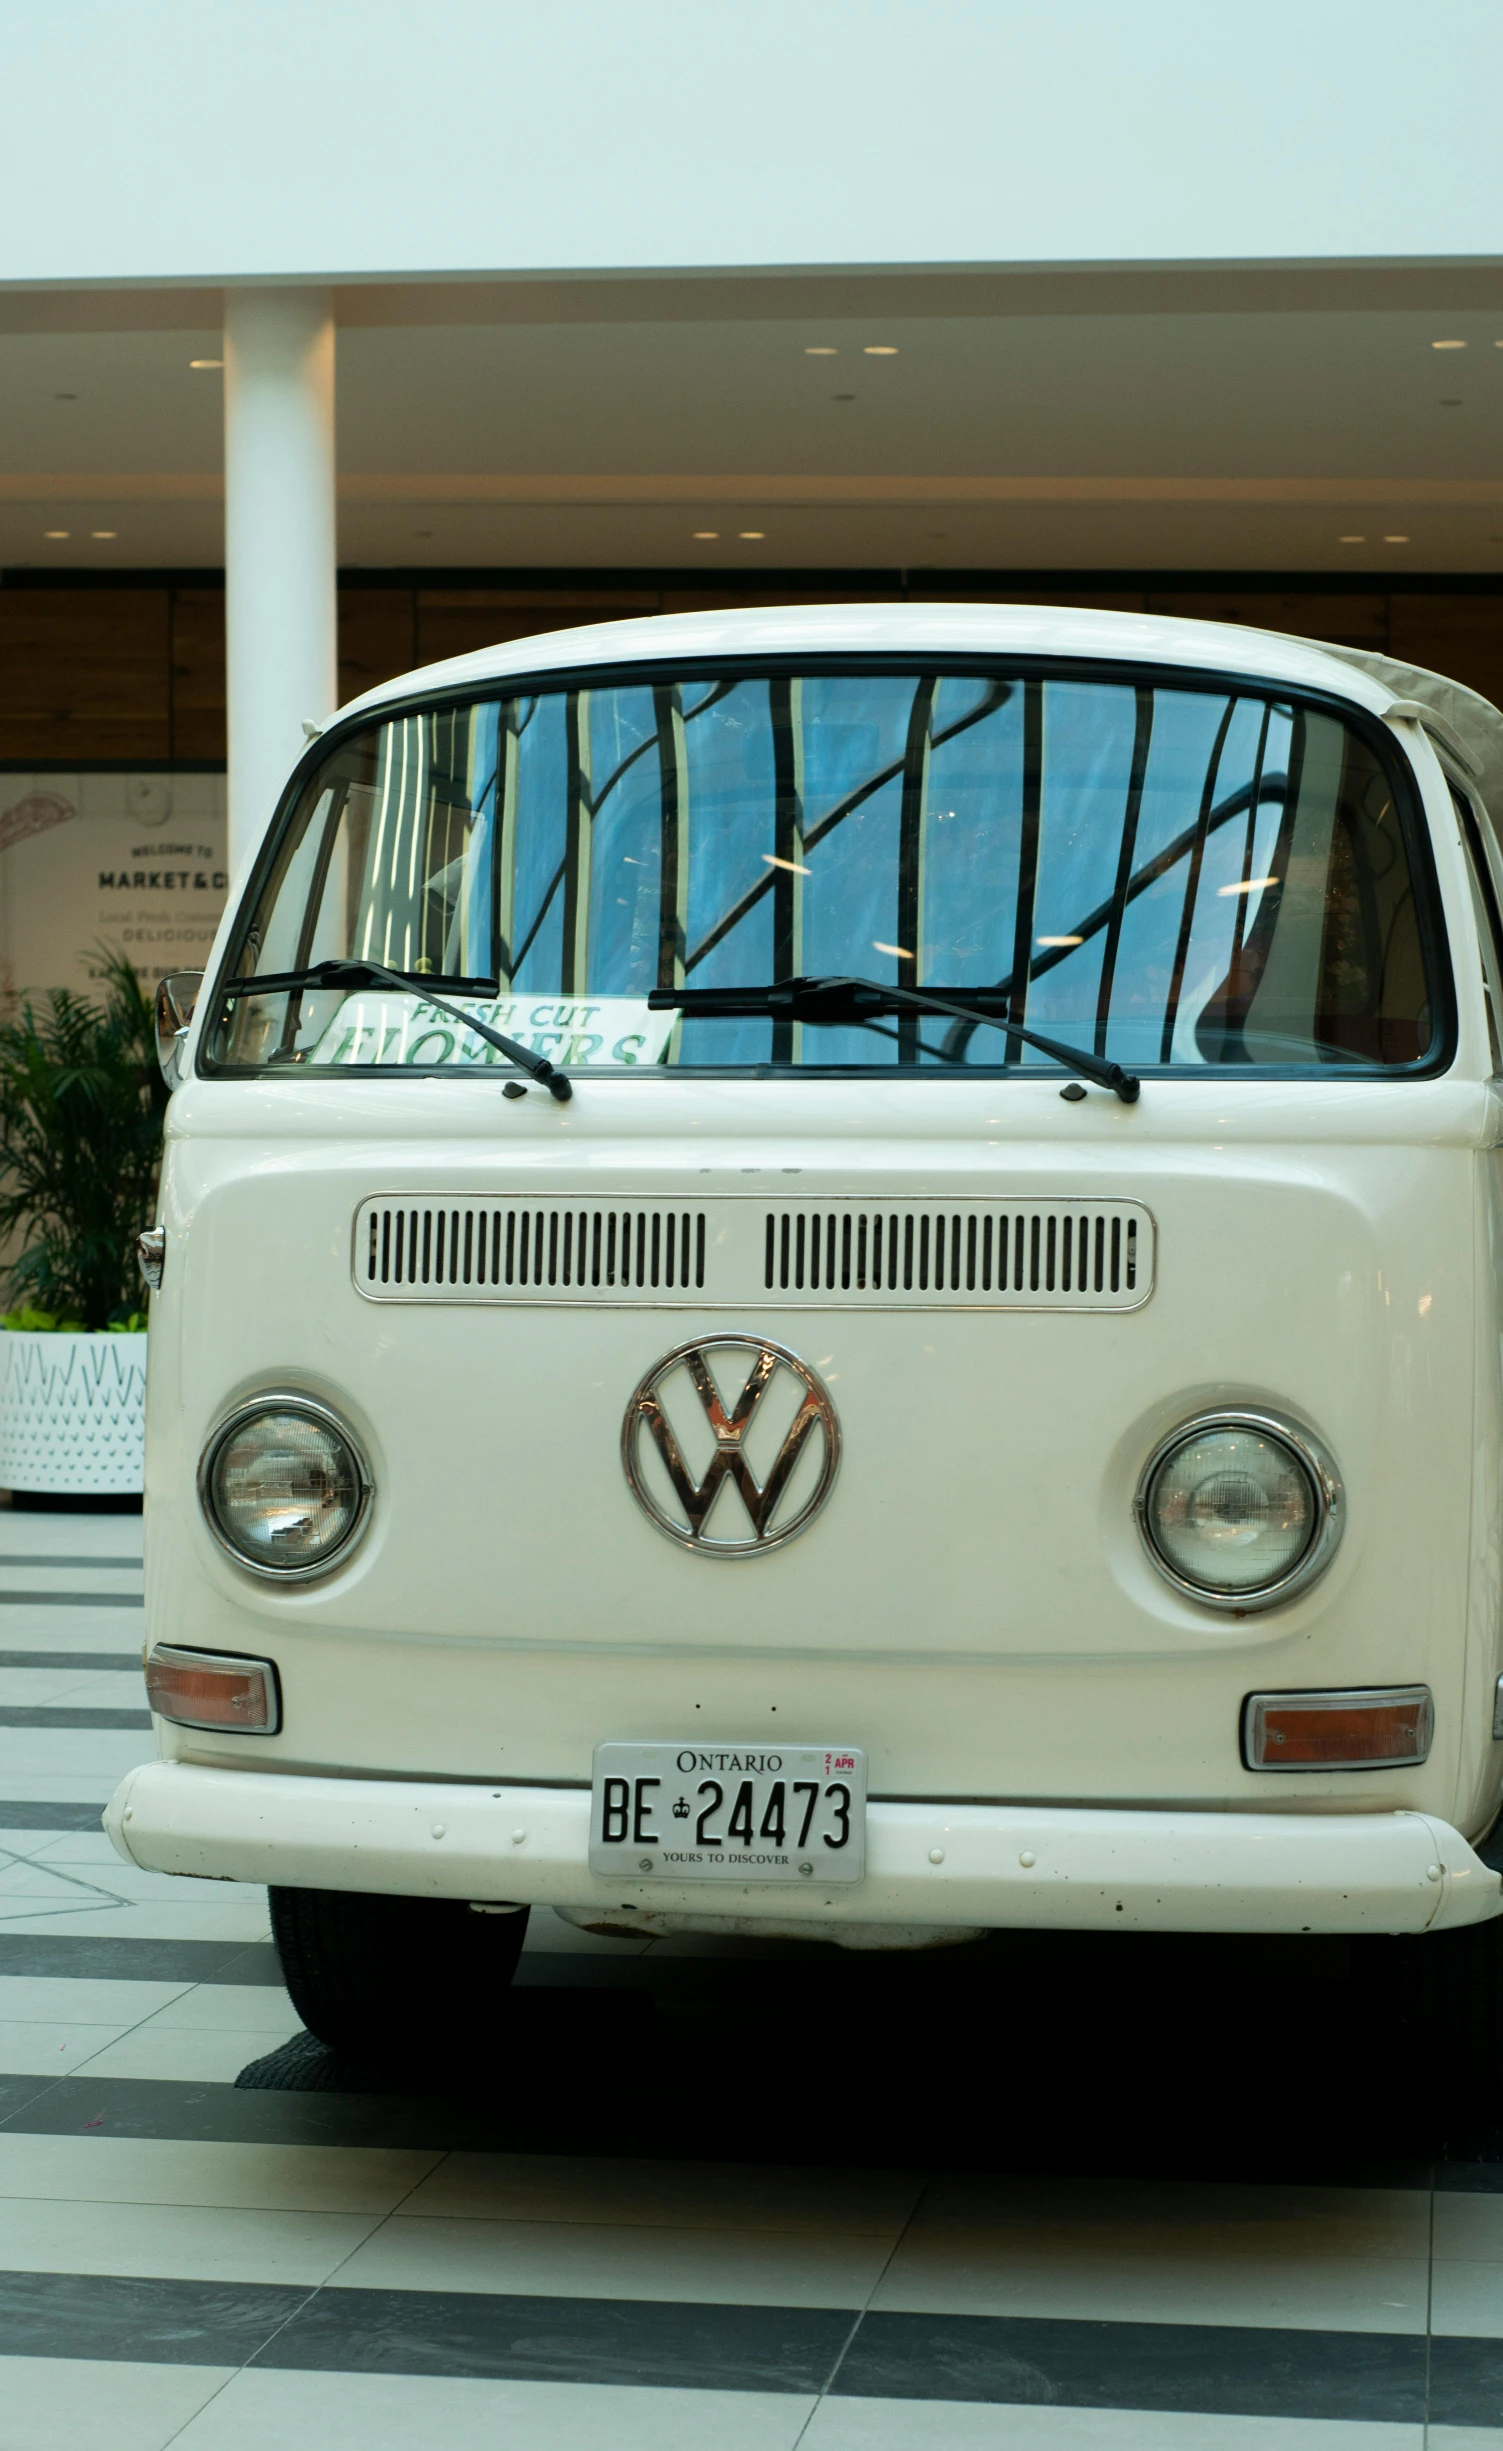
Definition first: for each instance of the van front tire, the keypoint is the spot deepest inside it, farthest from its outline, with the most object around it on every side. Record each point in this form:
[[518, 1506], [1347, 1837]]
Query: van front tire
[[395, 1978], [1467, 2020]]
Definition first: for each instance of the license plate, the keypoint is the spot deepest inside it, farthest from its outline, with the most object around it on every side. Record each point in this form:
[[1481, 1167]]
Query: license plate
[[729, 1812]]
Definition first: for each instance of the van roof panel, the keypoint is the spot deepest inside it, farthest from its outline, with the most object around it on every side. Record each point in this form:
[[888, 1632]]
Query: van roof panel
[[1369, 680]]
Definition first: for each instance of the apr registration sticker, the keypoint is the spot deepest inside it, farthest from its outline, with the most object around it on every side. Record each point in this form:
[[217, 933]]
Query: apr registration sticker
[[682, 1812]]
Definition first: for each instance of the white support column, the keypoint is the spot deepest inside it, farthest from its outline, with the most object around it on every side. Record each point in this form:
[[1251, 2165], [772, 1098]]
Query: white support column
[[281, 607]]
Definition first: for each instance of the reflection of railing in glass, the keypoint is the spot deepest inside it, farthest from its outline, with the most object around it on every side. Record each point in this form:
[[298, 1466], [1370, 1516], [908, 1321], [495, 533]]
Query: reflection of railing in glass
[[997, 696], [585, 805], [1110, 913], [1027, 966]]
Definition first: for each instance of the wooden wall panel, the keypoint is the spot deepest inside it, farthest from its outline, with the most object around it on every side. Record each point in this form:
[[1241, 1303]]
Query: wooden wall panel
[[377, 636], [1461, 636], [136, 674], [1080, 599], [729, 599], [84, 673], [198, 672], [458, 621], [376, 641], [1352, 618]]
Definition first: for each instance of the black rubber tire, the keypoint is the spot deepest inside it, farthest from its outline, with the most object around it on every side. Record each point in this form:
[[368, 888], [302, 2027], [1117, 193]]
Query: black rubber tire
[[394, 1978], [1466, 2021], [1427, 2040]]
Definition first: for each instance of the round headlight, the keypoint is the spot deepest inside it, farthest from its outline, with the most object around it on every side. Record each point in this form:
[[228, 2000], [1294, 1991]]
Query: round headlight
[[1240, 1509], [284, 1486]]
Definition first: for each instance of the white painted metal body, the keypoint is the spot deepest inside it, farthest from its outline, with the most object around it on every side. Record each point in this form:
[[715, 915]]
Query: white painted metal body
[[1030, 1866], [974, 1606]]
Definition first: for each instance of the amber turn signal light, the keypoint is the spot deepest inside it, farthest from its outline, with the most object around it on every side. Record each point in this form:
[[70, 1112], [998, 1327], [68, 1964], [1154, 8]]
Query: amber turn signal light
[[1372, 1730], [211, 1689]]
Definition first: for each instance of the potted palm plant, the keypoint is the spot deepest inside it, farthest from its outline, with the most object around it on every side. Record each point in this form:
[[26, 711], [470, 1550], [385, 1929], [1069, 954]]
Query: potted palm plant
[[81, 1103]]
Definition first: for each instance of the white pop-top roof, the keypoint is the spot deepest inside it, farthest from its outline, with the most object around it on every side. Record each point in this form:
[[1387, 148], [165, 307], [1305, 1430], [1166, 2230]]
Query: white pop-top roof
[[1376, 682]]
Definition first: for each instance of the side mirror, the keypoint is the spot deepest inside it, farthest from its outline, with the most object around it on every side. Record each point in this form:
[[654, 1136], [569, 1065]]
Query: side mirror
[[173, 1008]]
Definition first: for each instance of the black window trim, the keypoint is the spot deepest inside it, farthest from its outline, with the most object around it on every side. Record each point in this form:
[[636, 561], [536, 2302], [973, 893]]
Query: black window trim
[[653, 671]]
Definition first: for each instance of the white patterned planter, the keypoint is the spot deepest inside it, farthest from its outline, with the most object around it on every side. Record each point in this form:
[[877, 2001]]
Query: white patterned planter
[[72, 1413]]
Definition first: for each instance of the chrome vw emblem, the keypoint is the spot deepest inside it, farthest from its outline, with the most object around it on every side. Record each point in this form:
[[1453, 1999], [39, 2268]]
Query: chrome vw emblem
[[706, 1420]]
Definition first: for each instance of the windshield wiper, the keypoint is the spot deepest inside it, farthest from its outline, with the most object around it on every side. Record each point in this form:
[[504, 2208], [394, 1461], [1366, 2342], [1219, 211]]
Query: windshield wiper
[[411, 983], [834, 1001]]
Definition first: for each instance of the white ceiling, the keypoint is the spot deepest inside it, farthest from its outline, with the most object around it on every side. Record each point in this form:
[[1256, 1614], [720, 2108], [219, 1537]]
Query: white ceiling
[[1177, 427]]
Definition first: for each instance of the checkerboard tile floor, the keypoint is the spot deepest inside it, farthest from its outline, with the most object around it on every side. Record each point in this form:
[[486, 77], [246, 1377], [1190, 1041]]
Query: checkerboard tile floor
[[695, 2194]]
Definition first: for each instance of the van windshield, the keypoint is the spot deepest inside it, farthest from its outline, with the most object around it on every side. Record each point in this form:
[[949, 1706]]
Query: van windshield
[[1175, 877]]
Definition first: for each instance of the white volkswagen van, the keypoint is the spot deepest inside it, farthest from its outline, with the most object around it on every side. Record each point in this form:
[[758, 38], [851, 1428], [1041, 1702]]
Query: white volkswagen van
[[839, 1273]]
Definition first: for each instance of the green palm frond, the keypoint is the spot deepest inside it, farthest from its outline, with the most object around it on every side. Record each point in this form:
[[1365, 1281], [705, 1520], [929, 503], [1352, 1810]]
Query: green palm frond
[[81, 1105]]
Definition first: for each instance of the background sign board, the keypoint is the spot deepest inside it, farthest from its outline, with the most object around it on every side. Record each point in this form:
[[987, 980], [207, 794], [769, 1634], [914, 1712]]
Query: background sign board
[[133, 863]]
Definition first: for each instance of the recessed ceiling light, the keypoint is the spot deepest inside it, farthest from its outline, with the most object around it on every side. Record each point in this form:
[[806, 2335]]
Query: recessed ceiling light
[[1448, 344], [104, 535], [1395, 540], [56, 536], [1059, 940], [821, 349], [752, 535], [705, 536], [879, 348], [1351, 540], [204, 365], [899, 953]]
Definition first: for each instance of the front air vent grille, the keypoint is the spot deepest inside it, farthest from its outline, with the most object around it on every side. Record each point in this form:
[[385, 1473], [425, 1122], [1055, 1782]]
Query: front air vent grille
[[735, 1249], [970, 1249], [492, 1246]]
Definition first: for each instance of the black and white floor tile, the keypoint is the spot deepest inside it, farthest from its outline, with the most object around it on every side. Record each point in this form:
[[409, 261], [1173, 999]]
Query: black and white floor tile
[[1092, 2197]]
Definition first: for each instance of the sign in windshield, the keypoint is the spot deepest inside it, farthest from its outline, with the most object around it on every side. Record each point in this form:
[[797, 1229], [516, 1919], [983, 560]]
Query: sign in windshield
[[572, 1031]]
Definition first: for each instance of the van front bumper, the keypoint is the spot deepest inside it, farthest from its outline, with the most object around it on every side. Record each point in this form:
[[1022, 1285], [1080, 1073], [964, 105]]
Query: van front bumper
[[996, 1866]]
